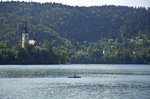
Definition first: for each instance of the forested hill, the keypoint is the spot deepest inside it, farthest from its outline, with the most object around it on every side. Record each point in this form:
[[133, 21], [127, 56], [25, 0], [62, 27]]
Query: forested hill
[[98, 34], [56, 22]]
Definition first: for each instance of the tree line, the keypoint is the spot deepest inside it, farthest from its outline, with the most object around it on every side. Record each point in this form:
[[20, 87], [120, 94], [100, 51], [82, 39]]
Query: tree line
[[105, 52], [31, 55]]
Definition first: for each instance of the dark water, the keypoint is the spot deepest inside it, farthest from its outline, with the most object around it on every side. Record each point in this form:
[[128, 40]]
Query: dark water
[[97, 82]]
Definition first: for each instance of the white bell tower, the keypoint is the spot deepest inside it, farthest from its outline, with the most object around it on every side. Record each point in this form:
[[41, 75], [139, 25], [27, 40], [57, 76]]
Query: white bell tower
[[25, 37]]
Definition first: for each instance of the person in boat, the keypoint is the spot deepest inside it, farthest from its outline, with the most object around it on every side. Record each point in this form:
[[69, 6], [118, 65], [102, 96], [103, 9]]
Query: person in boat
[[74, 75]]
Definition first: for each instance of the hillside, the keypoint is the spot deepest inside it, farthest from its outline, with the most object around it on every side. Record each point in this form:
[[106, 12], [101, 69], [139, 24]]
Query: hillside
[[83, 32], [53, 21]]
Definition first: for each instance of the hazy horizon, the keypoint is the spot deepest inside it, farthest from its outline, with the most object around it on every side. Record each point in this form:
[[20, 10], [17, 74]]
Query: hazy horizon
[[130, 3]]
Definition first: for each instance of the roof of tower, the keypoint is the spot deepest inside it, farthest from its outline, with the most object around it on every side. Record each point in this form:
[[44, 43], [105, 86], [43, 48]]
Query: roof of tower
[[25, 29]]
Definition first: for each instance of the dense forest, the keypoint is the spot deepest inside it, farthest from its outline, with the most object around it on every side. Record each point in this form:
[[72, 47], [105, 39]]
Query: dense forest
[[72, 34], [31, 55]]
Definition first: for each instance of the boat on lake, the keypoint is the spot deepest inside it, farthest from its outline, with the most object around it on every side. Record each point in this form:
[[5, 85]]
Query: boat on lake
[[74, 76]]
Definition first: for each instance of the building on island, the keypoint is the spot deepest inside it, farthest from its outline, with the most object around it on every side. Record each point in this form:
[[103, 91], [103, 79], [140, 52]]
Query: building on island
[[110, 40], [25, 37], [32, 42], [25, 40], [140, 40], [106, 52]]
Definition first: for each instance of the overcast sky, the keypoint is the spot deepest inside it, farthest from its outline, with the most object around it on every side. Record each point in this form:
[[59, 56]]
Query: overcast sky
[[137, 3]]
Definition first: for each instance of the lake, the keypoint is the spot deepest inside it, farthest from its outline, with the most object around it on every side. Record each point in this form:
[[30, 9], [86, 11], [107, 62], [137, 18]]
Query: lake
[[97, 81]]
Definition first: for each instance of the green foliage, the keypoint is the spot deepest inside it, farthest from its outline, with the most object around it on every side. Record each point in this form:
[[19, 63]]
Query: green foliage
[[81, 58], [114, 53], [63, 29], [51, 21], [31, 55]]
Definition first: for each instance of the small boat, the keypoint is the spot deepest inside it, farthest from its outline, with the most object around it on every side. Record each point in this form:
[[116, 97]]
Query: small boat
[[74, 77]]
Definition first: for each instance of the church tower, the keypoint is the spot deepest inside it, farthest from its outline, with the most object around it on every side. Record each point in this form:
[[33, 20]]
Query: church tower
[[25, 37]]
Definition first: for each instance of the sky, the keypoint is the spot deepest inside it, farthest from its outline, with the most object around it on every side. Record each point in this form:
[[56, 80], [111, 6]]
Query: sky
[[131, 3]]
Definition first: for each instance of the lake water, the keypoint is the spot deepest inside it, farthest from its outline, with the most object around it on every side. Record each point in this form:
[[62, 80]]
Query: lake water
[[96, 82]]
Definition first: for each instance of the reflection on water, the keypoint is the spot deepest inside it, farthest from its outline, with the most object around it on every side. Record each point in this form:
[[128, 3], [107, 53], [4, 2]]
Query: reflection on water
[[97, 82]]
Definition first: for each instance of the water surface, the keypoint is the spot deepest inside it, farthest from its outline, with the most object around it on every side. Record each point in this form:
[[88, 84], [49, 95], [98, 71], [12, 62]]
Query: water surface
[[52, 82]]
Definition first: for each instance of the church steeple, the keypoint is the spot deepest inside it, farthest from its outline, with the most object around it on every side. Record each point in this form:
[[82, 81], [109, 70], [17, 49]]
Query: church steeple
[[25, 37], [25, 29]]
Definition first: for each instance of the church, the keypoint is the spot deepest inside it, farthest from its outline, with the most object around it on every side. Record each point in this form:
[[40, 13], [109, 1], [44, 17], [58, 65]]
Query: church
[[25, 40]]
